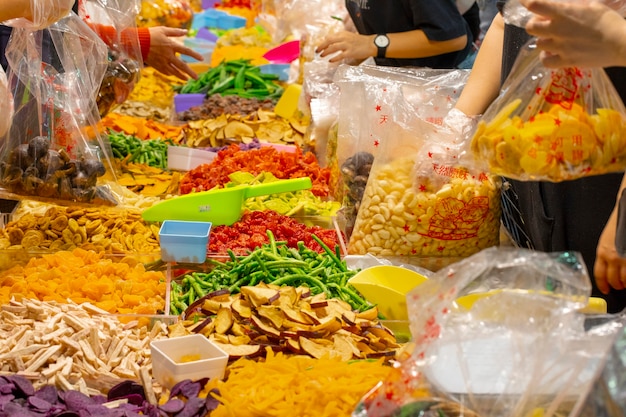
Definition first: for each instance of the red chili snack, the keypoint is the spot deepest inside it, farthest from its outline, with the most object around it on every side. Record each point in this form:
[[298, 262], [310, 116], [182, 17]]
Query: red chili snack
[[283, 165], [250, 233]]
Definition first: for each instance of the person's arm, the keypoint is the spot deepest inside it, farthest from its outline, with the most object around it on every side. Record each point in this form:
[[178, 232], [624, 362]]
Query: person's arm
[[411, 44], [609, 269], [577, 34], [483, 84], [157, 47]]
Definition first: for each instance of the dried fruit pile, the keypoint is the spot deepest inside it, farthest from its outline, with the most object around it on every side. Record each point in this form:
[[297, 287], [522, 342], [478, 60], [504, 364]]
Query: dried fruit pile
[[250, 233], [120, 286], [108, 230], [296, 386], [282, 165], [289, 319]]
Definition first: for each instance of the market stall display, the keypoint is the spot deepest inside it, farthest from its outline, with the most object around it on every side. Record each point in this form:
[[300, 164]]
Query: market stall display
[[301, 295]]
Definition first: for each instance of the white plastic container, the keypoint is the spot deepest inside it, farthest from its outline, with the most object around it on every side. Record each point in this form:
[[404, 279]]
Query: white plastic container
[[182, 158], [171, 364]]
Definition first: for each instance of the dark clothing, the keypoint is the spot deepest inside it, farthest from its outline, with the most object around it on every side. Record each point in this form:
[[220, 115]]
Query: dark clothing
[[564, 216], [440, 20], [472, 17]]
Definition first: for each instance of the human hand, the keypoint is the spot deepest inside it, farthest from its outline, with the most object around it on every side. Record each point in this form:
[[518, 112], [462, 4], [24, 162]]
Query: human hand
[[610, 268], [347, 46], [163, 49], [586, 34]]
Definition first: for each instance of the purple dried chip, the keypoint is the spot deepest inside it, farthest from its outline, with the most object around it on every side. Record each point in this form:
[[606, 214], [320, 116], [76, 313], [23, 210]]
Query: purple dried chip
[[67, 414], [124, 389], [23, 385], [38, 403], [173, 406], [191, 390], [7, 388], [5, 399], [76, 400], [48, 393], [177, 388], [193, 406], [211, 403]]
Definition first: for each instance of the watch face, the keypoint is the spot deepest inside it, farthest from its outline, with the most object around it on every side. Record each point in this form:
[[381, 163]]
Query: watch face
[[381, 41]]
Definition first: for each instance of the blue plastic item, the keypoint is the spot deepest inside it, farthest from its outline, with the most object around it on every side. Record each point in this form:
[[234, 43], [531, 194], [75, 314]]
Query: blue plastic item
[[184, 102], [282, 70], [184, 241], [201, 46], [231, 22], [206, 34], [212, 17]]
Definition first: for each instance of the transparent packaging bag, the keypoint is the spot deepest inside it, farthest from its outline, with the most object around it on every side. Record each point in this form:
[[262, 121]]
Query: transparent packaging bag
[[114, 22], [53, 149], [552, 124], [427, 94], [498, 334], [44, 13], [420, 200], [6, 103]]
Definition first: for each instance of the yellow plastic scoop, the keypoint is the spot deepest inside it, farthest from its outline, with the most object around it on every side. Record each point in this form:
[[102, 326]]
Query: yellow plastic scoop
[[595, 305], [387, 287], [220, 207]]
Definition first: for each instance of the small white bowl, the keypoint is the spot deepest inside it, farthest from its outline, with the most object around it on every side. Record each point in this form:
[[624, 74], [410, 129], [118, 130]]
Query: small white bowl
[[182, 158], [168, 368]]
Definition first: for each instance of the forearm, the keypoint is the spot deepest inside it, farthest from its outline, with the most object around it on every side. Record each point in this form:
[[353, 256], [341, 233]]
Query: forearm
[[483, 84], [415, 44]]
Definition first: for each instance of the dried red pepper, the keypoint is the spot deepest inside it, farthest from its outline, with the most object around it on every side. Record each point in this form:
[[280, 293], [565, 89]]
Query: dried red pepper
[[283, 165], [250, 233]]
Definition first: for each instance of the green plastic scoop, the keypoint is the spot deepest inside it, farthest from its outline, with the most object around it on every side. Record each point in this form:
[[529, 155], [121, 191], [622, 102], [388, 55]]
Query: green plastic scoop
[[220, 207]]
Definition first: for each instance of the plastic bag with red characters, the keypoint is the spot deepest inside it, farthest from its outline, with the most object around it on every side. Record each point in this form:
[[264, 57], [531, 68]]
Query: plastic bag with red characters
[[552, 124], [53, 149], [500, 333]]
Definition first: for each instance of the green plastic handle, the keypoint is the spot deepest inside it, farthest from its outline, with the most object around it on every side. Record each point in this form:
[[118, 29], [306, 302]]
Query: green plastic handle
[[275, 187]]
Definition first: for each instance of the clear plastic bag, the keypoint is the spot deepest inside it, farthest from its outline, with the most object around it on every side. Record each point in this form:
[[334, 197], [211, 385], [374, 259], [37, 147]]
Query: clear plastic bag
[[552, 125], [114, 22], [170, 13], [498, 334], [427, 94], [53, 149], [6, 104], [44, 13]]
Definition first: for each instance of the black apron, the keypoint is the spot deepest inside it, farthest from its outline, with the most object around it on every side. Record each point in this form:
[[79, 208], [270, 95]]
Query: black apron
[[564, 216]]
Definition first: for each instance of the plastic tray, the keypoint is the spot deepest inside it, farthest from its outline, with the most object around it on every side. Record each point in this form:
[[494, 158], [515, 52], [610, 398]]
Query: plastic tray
[[186, 357], [183, 241], [184, 102], [182, 158]]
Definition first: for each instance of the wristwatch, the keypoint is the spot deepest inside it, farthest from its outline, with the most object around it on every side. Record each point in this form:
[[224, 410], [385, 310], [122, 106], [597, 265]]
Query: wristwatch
[[381, 42]]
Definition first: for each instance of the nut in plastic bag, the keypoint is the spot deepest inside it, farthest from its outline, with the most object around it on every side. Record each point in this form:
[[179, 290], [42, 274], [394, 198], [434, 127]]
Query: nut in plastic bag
[[499, 333], [552, 125], [441, 210], [53, 149]]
